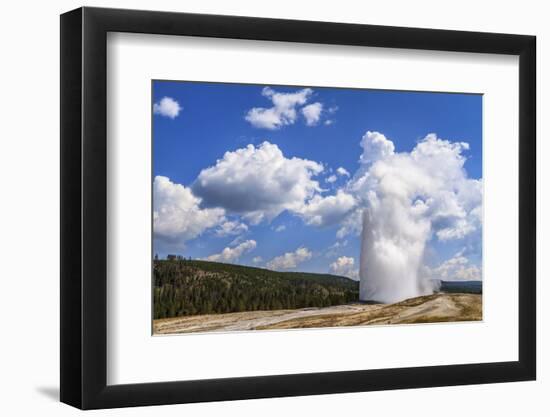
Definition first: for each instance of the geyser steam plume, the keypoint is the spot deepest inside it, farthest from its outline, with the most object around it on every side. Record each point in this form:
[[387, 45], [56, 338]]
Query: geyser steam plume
[[410, 198]]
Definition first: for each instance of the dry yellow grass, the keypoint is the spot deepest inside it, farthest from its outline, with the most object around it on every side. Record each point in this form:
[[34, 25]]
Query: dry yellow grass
[[428, 309]]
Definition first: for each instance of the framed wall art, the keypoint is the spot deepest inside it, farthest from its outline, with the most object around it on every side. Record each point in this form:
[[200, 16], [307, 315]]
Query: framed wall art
[[256, 208]]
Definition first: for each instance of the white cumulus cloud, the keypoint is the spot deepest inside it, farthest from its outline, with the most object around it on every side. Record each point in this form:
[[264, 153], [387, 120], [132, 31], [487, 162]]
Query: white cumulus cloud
[[342, 172], [457, 268], [177, 216], [331, 179], [283, 111], [345, 266], [290, 260], [167, 107], [230, 255], [312, 113], [231, 228], [375, 147], [430, 181], [258, 183], [329, 210]]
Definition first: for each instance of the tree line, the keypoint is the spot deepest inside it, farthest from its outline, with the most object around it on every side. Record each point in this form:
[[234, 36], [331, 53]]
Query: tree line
[[187, 287]]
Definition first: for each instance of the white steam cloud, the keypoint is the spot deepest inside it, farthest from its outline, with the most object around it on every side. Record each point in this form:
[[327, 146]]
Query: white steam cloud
[[408, 198]]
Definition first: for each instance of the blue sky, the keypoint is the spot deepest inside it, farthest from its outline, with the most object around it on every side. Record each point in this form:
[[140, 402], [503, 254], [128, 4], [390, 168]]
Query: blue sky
[[195, 124]]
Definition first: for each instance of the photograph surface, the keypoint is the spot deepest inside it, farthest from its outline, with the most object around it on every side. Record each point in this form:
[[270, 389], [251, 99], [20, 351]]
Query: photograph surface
[[291, 207]]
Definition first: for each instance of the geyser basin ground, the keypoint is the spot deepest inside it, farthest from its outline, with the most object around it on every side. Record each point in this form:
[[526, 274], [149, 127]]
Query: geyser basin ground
[[433, 308]]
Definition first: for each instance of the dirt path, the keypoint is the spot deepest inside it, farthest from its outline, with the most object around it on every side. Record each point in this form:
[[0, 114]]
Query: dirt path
[[432, 308]]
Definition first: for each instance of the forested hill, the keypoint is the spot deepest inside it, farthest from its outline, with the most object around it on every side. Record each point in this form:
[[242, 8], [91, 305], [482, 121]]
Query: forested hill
[[185, 287]]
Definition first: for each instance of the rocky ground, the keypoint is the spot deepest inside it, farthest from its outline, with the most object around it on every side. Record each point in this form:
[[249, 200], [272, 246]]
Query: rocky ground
[[426, 309]]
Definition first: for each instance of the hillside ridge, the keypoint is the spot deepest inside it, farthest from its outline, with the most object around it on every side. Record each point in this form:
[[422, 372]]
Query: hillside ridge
[[191, 287]]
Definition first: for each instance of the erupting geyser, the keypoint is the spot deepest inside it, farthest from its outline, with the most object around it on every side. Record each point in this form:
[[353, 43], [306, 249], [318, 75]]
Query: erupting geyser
[[410, 198], [390, 258]]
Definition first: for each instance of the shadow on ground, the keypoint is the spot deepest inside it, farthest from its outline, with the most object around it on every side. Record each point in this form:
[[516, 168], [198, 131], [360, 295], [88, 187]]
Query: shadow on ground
[[50, 392]]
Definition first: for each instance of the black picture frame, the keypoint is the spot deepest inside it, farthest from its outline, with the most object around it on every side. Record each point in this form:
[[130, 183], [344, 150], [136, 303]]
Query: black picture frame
[[84, 207]]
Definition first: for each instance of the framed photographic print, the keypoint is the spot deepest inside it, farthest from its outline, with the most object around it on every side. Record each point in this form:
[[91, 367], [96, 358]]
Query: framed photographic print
[[257, 208]]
